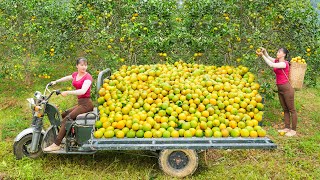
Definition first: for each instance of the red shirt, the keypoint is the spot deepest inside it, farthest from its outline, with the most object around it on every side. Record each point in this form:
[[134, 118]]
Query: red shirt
[[282, 78], [78, 84]]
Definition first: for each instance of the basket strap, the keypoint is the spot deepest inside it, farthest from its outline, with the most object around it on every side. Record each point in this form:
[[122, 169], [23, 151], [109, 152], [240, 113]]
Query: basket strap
[[286, 76]]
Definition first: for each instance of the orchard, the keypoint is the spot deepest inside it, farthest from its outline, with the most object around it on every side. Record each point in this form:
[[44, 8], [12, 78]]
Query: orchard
[[184, 73], [35, 35]]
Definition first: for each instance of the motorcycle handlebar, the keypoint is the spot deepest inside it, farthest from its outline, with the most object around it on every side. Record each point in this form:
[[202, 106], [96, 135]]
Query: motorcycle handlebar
[[54, 91]]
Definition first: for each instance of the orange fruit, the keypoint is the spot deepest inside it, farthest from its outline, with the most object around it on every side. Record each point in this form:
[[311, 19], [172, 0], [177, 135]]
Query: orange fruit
[[244, 133], [199, 133], [147, 134], [120, 125], [253, 134], [109, 134], [120, 134], [235, 133], [205, 114], [222, 126], [258, 98], [225, 133], [98, 134], [175, 134], [233, 124], [146, 126], [261, 133]]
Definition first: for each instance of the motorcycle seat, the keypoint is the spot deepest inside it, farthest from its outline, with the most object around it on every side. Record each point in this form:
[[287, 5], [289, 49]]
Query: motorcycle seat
[[88, 118]]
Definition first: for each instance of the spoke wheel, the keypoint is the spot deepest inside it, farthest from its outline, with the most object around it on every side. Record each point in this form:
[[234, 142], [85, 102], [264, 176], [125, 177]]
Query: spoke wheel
[[21, 148]]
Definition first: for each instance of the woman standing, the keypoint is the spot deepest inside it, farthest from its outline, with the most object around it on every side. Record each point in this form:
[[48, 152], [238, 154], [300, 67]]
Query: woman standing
[[285, 91], [82, 82]]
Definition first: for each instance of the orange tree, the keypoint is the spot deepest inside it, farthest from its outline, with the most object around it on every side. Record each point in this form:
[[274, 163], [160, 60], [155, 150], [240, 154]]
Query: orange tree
[[111, 33]]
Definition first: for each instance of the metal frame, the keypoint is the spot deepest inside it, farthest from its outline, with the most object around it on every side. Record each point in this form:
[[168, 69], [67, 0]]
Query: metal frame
[[179, 143]]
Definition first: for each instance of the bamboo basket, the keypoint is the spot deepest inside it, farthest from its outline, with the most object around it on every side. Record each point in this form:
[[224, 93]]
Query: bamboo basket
[[296, 75]]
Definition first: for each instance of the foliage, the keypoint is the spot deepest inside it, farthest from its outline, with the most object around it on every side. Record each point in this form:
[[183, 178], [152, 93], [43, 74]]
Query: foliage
[[111, 33]]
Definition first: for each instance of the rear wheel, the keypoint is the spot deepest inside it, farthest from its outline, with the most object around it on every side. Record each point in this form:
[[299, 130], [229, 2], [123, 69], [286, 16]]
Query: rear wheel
[[178, 163], [21, 148]]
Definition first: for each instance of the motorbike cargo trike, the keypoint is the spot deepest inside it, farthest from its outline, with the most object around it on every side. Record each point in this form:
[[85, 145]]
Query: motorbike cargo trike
[[178, 157]]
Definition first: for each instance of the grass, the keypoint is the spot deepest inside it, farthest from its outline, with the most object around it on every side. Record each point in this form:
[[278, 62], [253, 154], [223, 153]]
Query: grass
[[295, 158]]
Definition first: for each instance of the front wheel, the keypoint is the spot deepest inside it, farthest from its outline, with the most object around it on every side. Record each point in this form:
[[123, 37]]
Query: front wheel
[[178, 163], [21, 148]]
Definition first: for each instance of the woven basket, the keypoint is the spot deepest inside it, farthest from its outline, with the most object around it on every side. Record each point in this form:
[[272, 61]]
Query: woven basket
[[296, 74]]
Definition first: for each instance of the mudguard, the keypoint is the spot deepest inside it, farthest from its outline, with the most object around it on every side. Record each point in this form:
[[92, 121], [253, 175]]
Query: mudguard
[[49, 136], [26, 132]]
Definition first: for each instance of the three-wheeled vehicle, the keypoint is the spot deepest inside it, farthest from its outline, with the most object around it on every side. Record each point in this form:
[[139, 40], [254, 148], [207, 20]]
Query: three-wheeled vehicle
[[178, 157]]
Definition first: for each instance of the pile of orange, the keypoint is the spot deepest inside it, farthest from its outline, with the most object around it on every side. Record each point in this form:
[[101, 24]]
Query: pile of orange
[[298, 59], [180, 100]]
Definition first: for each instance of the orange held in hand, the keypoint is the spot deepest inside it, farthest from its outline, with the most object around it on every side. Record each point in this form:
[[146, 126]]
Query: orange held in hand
[[259, 52]]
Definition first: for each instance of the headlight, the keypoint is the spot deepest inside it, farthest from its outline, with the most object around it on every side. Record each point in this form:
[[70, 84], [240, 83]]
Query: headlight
[[37, 95]]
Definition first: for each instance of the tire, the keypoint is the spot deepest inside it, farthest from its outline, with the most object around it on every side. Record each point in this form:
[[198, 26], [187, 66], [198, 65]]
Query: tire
[[178, 163], [20, 148]]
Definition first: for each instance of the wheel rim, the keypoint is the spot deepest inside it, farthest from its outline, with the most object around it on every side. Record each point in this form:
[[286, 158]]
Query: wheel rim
[[25, 148], [178, 160]]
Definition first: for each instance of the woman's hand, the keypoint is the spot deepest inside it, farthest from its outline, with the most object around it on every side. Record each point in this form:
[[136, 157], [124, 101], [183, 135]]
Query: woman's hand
[[53, 83], [263, 50], [64, 93], [259, 53]]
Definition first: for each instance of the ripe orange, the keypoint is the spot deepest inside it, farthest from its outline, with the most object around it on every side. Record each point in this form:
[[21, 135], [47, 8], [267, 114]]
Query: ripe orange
[[147, 134], [205, 114], [109, 134], [175, 134], [98, 134], [244, 133], [225, 132], [120, 125], [253, 134], [233, 124], [258, 117], [261, 133], [120, 134]]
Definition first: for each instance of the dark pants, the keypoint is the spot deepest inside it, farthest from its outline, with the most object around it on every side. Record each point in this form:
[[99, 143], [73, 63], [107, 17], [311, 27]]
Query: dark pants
[[286, 97], [84, 105]]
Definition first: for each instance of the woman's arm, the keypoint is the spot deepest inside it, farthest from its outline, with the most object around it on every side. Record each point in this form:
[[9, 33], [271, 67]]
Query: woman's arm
[[86, 85], [272, 64], [265, 53], [66, 78]]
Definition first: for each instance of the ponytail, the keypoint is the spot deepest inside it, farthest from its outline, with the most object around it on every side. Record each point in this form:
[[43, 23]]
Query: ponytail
[[288, 57]]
